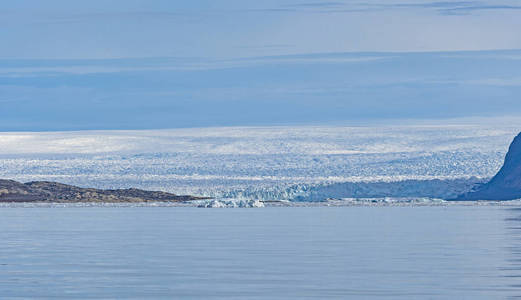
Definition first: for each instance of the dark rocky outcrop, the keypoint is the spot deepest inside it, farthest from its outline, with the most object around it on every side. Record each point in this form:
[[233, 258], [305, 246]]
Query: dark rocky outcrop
[[44, 191], [506, 185]]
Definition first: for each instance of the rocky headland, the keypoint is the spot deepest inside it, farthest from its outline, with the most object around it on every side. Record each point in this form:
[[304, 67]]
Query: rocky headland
[[506, 185], [44, 191]]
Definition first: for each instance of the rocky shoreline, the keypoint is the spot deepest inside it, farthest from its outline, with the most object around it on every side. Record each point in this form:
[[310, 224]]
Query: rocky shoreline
[[44, 191]]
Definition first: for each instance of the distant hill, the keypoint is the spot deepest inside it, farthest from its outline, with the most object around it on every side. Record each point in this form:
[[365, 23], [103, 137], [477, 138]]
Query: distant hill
[[43, 191], [506, 185]]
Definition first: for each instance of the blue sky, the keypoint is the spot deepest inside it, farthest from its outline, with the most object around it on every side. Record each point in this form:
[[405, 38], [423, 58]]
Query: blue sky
[[69, 65]]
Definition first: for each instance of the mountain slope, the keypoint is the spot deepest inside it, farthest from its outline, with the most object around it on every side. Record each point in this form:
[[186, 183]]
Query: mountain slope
[[506, 185], [44, 191]]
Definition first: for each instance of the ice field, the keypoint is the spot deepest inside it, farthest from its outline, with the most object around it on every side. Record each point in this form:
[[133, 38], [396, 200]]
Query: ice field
[[296, 163]]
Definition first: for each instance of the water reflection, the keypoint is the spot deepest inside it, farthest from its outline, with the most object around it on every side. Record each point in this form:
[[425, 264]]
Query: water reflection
[[511, 272], [419, 252]]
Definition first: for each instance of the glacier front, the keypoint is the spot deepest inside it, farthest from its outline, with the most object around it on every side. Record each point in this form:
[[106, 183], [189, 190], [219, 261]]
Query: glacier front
[[296, 163]]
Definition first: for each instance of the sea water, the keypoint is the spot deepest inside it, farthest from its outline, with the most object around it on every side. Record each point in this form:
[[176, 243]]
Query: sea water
[[368, 252]]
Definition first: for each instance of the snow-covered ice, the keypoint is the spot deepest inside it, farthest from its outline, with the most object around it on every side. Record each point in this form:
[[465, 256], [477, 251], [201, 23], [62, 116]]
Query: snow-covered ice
[[267, 163]]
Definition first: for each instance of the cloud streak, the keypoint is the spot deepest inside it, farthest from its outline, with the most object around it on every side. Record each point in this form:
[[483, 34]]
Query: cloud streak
[[473, 8], [29, 68], [441, 7]]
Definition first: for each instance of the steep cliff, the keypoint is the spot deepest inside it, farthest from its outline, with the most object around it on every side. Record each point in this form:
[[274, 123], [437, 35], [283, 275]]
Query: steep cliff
[[506, 185]]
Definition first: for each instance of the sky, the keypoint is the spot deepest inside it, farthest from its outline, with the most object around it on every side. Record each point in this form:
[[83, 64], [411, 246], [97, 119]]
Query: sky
[[128, 64]]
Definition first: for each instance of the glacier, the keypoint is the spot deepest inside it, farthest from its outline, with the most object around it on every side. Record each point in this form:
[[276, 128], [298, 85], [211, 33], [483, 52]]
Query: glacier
[[294, 163]]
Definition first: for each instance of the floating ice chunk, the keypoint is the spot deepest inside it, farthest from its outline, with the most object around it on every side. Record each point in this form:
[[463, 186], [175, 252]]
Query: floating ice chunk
[[223, 203], [212, 204]]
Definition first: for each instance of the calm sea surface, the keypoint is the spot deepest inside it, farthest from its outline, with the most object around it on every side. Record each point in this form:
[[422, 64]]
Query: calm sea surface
[[454, 252]]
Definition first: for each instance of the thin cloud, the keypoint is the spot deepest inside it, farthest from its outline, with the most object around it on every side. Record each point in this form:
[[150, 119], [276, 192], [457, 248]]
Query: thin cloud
[[502, 82], [455, 8], [19, 68], [470, 9], [449, 5], [441, 7]]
